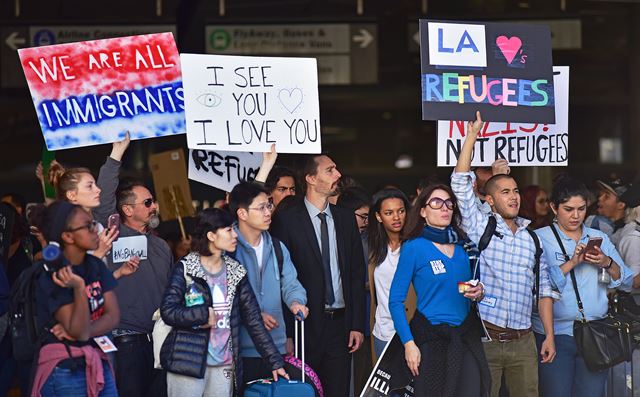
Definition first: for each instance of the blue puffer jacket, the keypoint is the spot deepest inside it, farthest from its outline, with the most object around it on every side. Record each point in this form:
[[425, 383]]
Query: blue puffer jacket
[[185, 349]]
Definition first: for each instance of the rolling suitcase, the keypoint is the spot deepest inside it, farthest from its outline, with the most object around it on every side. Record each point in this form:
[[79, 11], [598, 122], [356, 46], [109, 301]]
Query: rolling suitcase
[[283, 387]]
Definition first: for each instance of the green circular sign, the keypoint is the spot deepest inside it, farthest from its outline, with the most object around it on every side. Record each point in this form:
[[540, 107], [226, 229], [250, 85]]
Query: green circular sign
[[220, 40]]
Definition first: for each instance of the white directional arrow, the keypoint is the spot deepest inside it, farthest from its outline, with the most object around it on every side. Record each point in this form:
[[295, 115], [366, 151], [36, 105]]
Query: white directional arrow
[[13, 41], [364, 38]]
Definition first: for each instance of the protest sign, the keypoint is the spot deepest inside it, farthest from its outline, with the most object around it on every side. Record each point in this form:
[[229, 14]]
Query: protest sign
[[502, 69], [93, 92], [223, 170], [390, 375], [6, 229], [520, 144], [169, 171], [241, 103], [126, 248]]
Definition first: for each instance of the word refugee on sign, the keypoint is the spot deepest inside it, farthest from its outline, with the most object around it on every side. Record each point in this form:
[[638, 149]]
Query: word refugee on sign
[[222, 164], [551, 148], [92, 108], [452, 87]]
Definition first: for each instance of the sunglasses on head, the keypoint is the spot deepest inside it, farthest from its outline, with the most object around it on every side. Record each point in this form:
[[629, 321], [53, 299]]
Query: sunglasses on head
[[436, 203]]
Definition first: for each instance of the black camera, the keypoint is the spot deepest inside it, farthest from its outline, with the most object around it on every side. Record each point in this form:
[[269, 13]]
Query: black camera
[[53, 258]]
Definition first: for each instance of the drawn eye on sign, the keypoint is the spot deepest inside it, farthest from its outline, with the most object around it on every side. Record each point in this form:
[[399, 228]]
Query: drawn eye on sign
[[209, 100]]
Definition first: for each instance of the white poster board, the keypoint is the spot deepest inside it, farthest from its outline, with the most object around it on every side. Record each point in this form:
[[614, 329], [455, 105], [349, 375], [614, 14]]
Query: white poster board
[[242, 103], [522, 144], [126, 248], [223, 170]]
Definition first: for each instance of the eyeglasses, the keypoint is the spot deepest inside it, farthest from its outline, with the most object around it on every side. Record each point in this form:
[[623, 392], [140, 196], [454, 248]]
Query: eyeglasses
[[436, 203], [264, 207], [282, 189], [364, 217], [147, 202], [90, 226]]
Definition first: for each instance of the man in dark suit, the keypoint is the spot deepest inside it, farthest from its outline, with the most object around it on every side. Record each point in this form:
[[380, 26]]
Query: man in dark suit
[[326, 249]]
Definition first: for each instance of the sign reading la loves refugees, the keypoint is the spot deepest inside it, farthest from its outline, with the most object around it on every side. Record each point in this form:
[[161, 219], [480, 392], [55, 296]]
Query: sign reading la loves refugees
[[93, 92], [522, 144], [223, 170], [502, 69], [238, 103]]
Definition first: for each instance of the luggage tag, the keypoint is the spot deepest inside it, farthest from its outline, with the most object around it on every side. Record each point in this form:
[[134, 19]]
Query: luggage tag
[[105, 344]]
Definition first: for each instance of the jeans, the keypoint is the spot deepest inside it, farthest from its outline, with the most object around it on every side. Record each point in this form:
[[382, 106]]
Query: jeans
[[378, 346], [517, 360], [568, 374], [73, 383]]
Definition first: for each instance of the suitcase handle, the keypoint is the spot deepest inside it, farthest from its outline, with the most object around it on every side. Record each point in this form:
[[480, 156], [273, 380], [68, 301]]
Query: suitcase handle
[[299, 318]]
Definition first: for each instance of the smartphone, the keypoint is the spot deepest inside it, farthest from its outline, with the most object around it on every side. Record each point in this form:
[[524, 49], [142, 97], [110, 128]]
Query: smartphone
[[592, 244], [113, 221]]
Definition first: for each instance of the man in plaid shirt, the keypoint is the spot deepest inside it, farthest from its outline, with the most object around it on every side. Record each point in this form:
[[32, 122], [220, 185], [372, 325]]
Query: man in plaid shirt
[[506, 268]]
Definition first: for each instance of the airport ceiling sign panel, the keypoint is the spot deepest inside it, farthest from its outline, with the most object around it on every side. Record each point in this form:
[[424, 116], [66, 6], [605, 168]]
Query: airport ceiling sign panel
[[346, 53], [13, 38]]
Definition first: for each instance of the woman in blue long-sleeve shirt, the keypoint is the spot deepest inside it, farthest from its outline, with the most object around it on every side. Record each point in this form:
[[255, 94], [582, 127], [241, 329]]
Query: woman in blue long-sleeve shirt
[[443, 342], [568, 375]]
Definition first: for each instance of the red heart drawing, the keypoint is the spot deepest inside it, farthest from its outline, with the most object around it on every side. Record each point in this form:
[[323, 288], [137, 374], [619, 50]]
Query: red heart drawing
[[509, 46]]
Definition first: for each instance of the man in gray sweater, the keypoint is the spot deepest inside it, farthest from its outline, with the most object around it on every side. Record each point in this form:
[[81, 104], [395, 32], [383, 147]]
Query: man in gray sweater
[[139, 294]]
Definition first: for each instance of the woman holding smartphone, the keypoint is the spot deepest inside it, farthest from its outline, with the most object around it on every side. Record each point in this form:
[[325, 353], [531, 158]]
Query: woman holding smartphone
[[76, 303], [443, 344], [597, 266]]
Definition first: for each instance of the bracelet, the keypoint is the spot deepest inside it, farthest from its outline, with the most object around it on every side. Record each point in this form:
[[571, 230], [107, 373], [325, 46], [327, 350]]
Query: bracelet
[[610, 263]]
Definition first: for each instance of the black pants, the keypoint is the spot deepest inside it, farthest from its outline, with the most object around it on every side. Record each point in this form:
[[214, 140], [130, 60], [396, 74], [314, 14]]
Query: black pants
[[135, 375], [329, 356]]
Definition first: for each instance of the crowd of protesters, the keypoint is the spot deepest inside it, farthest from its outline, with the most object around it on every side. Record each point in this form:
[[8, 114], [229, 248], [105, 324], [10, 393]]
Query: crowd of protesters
[[315, 245]]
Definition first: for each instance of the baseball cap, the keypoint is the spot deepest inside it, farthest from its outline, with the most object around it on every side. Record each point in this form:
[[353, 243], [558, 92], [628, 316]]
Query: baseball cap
[[615, 186], [631, 197]]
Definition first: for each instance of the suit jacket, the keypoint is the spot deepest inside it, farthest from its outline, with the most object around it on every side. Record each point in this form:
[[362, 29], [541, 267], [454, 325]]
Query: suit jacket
[[294, 228]]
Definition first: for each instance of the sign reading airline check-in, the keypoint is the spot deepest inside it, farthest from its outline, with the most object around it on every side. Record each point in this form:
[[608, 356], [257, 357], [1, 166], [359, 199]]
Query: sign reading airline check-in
[[504, 70]]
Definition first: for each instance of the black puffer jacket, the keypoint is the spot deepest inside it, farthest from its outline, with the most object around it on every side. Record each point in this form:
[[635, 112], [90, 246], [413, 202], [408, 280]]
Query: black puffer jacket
[[185, 349]]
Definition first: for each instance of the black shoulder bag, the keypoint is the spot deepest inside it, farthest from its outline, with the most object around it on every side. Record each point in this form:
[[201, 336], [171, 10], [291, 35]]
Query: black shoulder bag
[[602, 343]]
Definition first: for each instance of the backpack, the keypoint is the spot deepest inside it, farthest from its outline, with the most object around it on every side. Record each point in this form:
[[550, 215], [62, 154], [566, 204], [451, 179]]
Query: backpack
[[23, 310], [490, 231]]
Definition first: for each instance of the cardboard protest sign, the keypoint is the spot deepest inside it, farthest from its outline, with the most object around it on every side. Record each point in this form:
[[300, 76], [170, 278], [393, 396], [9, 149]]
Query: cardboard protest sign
[[502, 69], [223, 170], [390, 375], [93, 92], [6, 229], [169, 171], [520, 144], [241, 103], [125, 248]]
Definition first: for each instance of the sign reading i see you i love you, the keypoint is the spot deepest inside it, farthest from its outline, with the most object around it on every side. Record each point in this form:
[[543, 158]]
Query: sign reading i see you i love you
[[241, 103], [504, 70], [93, 92]]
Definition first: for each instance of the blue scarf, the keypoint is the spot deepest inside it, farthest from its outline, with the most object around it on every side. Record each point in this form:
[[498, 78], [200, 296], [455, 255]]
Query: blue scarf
[[449, 236]]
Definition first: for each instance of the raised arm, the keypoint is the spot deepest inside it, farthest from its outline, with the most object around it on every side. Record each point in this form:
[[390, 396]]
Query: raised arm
[[473, 128], [268, 161], [108, 179]]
